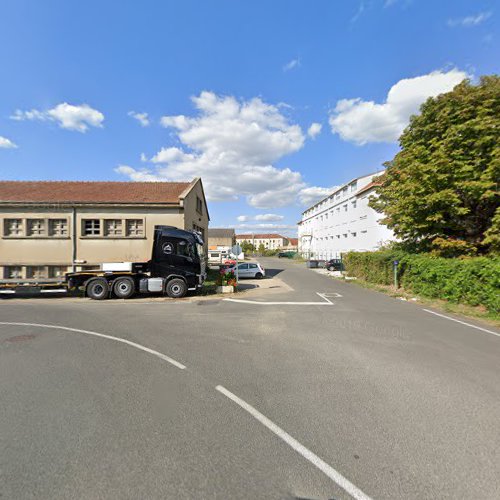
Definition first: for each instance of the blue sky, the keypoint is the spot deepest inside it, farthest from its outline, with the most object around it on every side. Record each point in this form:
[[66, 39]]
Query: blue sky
[[230, 89]]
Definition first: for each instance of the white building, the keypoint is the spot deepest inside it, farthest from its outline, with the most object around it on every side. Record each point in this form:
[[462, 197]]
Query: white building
[[343, 222], [270, 241]]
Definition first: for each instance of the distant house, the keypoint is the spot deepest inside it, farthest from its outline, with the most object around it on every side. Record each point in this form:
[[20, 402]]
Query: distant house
[[220, 238], [271, 241], [48, 228], [292, 245]]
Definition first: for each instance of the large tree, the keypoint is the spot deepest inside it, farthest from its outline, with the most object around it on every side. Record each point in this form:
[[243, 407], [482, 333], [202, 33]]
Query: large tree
[[441, 191]]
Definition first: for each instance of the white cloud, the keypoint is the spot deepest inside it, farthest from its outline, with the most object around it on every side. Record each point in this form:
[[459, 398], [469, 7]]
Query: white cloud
[[269, 217], [6, 143], [232, 146], [361, 122], [68, 116], [311, 195], [142, 118], [294, 63], [469, 21], [265, 226], [314, 130], [143, 175], [242, 218]]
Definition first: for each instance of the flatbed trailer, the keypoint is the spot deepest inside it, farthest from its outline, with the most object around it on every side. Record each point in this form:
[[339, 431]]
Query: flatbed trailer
[[177, 266]]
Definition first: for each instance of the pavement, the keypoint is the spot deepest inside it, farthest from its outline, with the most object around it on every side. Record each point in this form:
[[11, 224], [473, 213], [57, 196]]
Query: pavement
[[317, 389]]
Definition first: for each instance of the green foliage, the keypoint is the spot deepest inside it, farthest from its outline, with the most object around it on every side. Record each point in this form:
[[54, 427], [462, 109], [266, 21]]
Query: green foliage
[[440, 192], [262, 248], [247, 247], [473, 281]]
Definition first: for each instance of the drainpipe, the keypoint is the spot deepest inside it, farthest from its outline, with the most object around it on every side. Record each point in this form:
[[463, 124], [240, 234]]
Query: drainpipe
[[74, 253]]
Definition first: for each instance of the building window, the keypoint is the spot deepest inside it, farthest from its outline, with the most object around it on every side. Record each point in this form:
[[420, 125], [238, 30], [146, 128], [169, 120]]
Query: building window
[[364, 232], [113, 227], [12, 272], [354, 185], [199, 205], [345, 235], [354, 235], [363, 217], [58, 227], [35, 227], [91, 227], [57, 271], [36, 272], [135, 227], [13, 227], [353, 204], [345, 207]]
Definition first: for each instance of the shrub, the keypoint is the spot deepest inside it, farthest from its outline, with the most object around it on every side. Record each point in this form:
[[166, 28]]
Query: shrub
[[474, 281]]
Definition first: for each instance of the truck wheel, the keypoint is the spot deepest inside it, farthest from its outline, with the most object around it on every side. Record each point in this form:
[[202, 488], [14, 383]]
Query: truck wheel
[[176, 288], [124, 288], [98, 289]]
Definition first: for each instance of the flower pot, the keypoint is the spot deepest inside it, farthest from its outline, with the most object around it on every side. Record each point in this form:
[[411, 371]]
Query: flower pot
[[225, 289]]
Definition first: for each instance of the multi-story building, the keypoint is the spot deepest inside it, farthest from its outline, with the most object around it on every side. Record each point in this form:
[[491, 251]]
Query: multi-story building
[[221, 238], [343, 222], [270, 241], [48, 228]]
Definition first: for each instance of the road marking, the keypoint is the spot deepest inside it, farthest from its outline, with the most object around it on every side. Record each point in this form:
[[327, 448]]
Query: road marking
[[335, 476], [324, 296], [95, 334], [463, 322]]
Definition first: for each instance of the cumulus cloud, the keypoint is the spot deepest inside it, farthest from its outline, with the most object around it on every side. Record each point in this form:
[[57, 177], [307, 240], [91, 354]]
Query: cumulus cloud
[[232, 145], [242, 218], [361, 122], [314, 130], [67, 116], [309, 196], [261, 217], [265, 226], [469, 21], [6, 143], [142, 118], [294, 63]]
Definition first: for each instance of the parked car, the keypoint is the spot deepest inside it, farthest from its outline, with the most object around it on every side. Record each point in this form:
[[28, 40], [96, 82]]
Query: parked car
[[334, 265], [286, 255], [249, 270]]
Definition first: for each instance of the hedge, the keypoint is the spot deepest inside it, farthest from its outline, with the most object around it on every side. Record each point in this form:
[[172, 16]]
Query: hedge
[[474, 281]]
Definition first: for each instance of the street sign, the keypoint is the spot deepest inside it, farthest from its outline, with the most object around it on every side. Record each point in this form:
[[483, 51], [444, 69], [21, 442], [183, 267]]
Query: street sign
[[236, 250]]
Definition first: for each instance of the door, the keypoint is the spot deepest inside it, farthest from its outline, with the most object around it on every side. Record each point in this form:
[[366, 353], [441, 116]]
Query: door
[[243, 271]]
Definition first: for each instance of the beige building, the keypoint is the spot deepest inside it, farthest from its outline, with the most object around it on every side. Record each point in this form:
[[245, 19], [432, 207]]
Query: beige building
[[220, 238], [270, 241], [49, 228]]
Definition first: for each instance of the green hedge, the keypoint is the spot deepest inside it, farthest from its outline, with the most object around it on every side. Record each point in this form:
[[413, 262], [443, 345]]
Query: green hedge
[[474, 281]]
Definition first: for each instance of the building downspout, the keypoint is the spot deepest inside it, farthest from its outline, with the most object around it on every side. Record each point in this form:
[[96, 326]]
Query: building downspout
[[74, 249]]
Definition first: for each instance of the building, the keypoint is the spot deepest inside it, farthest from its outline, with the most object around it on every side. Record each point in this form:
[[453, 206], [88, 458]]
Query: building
[[293, 245], [270, 241], [48, 228], [221, 239], [343, 222]]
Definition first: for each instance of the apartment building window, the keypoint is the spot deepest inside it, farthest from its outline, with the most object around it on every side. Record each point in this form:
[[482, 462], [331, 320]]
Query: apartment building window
[[36, 227], [345, 207], [354, 185], [344, 191], [363, 217], [364, 231], [12, 272], [36, 272], [354, 235], [113, 227], [58, 228], [13, 227], [338, 210], [353, 203], [199, 205], [91, 227], [135, 227], [57, 271], [345, 235]]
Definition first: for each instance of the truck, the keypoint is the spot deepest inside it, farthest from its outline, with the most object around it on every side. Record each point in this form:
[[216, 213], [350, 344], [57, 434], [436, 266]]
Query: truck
[[177, 265]]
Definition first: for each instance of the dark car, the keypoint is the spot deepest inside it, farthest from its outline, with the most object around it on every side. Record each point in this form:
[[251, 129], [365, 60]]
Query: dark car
[[334, 265]]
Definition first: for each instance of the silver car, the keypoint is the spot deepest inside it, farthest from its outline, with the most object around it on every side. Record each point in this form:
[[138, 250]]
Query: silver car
[[249, 270]]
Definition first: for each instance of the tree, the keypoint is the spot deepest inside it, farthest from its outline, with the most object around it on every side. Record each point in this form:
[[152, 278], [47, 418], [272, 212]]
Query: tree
[[262, 248], [441, 191], [247, 247]]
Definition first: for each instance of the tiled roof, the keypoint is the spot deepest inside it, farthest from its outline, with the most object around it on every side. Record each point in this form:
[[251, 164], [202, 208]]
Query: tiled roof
[[91, 192], [272, 236], [293, 241], [369, 186], [220, 233]]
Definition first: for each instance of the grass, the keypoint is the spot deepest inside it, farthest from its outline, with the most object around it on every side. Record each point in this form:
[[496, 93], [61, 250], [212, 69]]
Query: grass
[[478, 312]]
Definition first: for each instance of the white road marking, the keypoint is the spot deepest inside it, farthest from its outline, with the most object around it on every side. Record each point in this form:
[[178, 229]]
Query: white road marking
[[324, 296], [463, 322], [95, 334], [328, 470]]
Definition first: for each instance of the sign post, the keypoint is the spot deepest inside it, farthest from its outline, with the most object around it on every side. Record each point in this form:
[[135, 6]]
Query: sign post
[[236, 250], [395, 267]]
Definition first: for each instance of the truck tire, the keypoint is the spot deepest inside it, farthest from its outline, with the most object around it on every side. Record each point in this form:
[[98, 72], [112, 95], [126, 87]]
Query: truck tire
[[176, 288], [124, 288], [97, 289]]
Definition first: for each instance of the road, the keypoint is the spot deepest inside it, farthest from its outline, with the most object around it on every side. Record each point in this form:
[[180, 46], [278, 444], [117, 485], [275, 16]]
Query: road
[[353, 396]]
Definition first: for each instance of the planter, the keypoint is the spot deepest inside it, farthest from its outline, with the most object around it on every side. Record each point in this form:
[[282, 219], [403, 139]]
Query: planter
[[225, 289]]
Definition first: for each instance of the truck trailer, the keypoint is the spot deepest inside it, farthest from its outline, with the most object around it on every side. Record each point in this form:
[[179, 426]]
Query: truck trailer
[[177, 265]]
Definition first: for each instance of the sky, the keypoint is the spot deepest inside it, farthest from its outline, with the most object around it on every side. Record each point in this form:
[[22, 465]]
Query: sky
[[271, 102]]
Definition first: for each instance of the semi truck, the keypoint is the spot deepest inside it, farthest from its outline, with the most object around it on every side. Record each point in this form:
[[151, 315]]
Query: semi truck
[[177, 265]]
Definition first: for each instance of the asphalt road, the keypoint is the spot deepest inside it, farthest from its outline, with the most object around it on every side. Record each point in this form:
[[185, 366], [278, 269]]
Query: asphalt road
[[366, 397]]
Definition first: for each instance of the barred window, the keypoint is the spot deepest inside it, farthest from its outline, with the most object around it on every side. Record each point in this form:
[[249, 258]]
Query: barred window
[[58, 227], [135, 227], [91, 227], [113, 227], [12, 272], [57, 271], [199, 205], [35, 227], [13, 227], [36, 272]]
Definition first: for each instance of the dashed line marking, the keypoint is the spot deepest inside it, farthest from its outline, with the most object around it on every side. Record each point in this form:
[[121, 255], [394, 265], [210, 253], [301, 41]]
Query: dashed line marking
[[102, 335], [327, 469]]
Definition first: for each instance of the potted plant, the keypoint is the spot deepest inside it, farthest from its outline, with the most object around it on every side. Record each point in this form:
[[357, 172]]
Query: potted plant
[[226, 281]]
